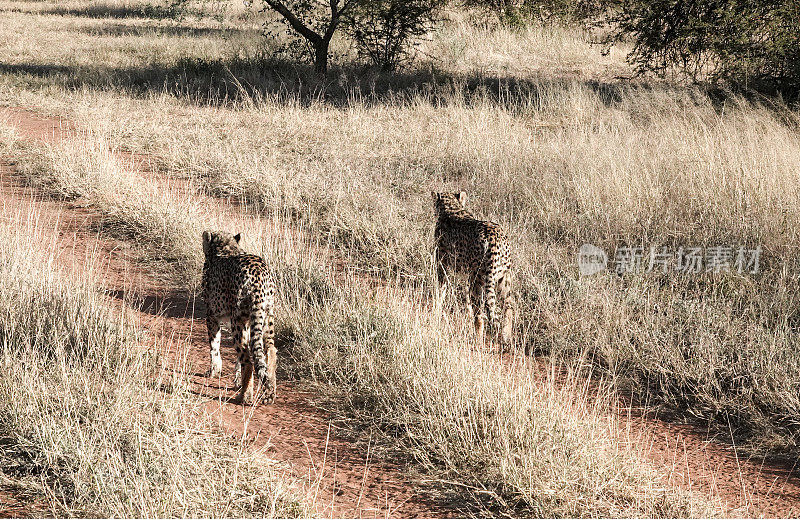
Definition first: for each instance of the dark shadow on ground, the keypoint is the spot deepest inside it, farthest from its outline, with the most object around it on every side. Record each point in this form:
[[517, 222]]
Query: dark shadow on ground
[[251, 80], [172, 304], [123, 29], [117, 11]]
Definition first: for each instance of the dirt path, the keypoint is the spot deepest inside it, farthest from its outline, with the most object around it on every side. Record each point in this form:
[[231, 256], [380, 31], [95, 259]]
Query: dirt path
[[346, 483], [340, 481], [693, 459]]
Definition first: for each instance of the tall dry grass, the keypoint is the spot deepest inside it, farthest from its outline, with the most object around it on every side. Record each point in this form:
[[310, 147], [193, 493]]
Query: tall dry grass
[[399, 371], [91, 424], [534, 126], [569, 165]]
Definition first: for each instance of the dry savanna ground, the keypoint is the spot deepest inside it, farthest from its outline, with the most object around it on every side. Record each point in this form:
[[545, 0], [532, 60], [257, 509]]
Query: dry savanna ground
[[548, 136]]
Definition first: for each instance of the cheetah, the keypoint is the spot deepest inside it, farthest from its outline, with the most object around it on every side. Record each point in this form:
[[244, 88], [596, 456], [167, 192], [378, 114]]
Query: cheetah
[[480, 250], [238, 288]]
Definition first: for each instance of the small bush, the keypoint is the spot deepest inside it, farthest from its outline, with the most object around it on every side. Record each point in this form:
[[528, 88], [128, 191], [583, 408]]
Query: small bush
[[386, 31]]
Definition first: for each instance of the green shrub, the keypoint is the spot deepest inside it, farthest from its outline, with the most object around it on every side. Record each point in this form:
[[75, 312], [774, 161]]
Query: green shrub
[[741, 41], [386, 31]]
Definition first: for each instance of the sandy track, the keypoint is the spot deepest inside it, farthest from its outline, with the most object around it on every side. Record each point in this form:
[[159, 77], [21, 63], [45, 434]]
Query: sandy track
[[347, 483], [340, 481]]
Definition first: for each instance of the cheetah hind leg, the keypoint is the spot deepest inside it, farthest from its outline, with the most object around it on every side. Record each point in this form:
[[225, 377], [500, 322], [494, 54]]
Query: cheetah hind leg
[[241, 338], [214, 340], [272, 362], [476, 296], [480, 329], [245, 395], [237, 375], [509, 309]]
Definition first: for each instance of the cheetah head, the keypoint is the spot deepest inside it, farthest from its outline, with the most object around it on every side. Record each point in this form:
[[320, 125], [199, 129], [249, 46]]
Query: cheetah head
[[449, 201], [220, 243]]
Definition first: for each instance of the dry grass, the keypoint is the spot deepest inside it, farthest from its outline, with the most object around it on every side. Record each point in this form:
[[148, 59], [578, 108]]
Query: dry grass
[[90, 424], [571, 165], [546, 143], [130, 209], [398, 370]]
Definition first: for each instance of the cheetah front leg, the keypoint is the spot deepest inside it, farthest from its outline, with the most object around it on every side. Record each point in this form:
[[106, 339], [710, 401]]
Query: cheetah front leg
[[214, 339]]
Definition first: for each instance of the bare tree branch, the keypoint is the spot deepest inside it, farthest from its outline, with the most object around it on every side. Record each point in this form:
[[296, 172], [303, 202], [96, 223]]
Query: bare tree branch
[[295, 22], [319, 42], [347, 5], [336, 16]]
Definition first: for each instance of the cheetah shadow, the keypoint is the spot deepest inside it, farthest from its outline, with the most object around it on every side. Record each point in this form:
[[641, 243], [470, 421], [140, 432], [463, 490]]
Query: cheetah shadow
[[175, 304]]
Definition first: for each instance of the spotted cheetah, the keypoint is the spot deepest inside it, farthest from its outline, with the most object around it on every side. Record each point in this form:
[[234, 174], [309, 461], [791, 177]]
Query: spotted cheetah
[[238, 289], [480, 250]]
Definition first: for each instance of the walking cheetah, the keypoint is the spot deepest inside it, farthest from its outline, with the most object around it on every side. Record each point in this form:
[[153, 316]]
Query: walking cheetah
[[238, 288], [480, 250]]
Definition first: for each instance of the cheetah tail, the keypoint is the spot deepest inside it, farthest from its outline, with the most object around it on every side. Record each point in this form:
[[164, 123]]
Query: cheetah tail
[[258, 338], [491, 299]]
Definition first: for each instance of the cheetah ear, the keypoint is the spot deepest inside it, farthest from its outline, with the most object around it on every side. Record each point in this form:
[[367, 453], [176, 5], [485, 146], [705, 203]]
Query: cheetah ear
[[434, 195], [238, 237], [462, 198]]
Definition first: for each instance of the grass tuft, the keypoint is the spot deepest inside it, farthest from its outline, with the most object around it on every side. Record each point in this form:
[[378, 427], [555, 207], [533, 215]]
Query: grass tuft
[[87, 422]]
